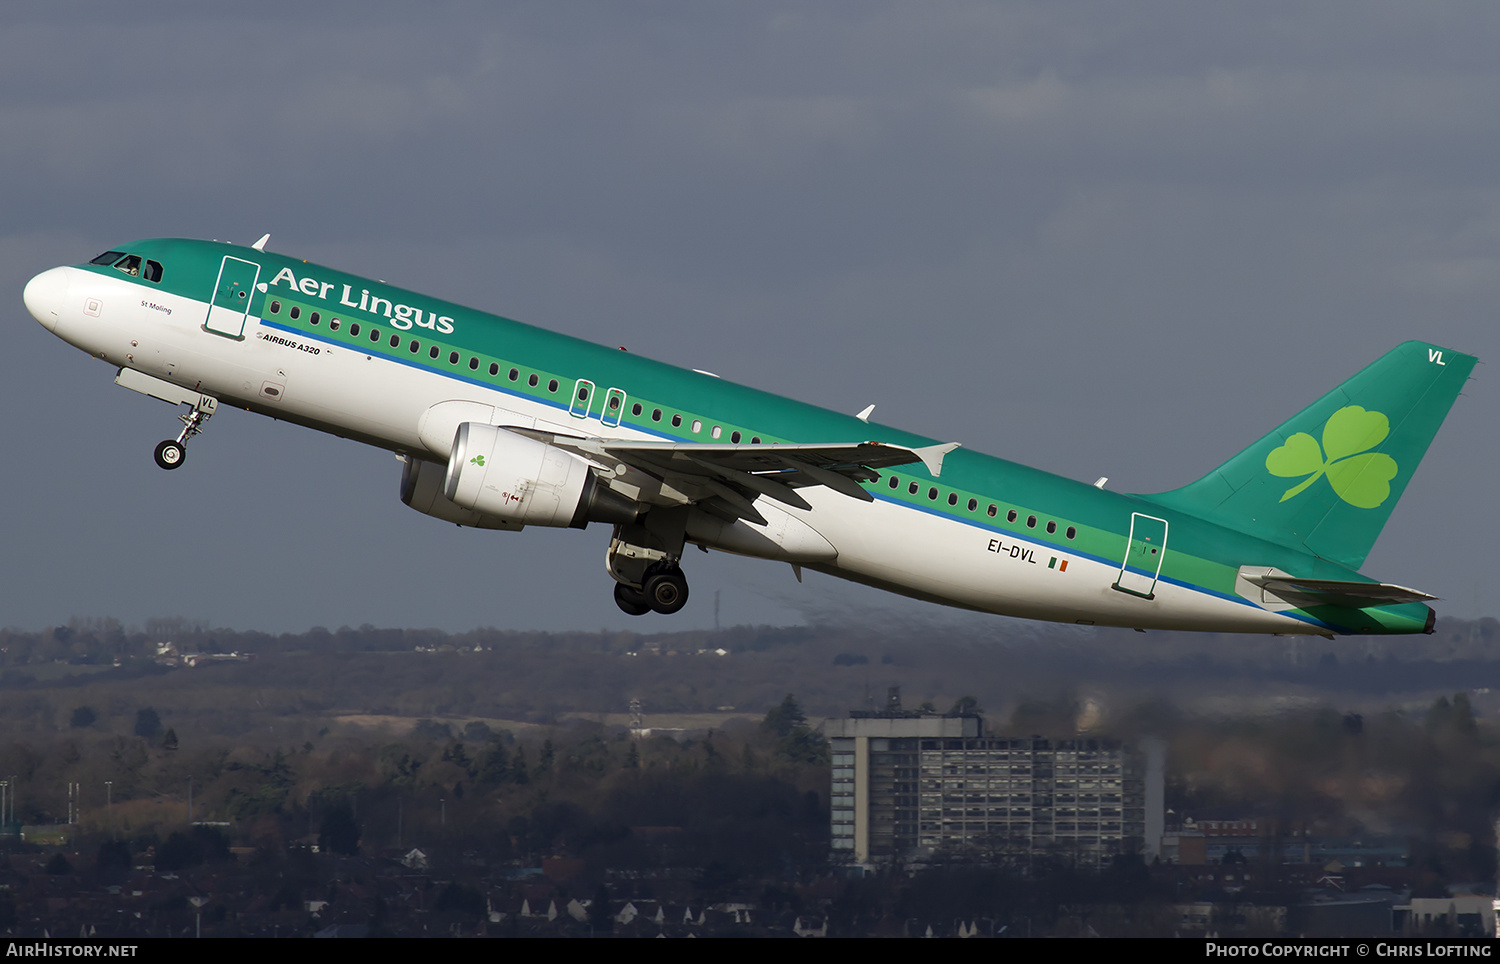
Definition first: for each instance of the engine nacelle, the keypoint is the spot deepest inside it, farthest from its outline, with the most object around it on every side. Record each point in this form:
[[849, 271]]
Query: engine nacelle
[[499, 473], [422, 489]]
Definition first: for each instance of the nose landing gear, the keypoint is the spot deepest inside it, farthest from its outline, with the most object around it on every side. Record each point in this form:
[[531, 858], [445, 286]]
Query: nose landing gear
[[171, 453]]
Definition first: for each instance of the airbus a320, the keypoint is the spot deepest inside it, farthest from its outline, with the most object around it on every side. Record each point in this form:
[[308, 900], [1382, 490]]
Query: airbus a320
[[502, 425]]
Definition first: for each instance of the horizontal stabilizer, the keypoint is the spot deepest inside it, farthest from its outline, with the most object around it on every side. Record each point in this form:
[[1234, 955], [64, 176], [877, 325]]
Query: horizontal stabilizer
[[1332, 592]]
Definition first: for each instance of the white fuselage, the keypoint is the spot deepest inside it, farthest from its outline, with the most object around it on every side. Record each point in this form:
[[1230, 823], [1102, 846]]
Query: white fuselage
[[415, 411]]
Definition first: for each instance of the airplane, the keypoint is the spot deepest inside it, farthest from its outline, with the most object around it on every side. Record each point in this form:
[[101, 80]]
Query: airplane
[[502, 425]]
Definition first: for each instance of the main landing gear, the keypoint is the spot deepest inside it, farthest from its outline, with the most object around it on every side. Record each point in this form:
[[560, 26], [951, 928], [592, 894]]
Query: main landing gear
[[642, 559], [171, 453], [665, 591]]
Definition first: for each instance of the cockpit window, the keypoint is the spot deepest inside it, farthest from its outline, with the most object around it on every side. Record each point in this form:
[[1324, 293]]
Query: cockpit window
[[131, 265]]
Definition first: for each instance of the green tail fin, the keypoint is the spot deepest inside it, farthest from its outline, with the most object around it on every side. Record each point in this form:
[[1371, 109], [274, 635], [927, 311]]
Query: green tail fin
[[1327, 479]]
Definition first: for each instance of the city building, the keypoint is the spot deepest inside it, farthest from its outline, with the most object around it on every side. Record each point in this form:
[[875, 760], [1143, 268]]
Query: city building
[[909, 784]]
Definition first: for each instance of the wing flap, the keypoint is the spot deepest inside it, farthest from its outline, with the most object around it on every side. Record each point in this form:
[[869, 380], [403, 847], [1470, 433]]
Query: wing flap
[[731, 477]]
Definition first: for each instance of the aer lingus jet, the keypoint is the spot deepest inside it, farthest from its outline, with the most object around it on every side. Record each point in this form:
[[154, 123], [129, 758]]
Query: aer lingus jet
[[502, 425]]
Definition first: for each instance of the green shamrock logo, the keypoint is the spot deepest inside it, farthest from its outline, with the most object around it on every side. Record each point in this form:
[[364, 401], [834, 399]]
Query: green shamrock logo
[[477, 460], [1360, 480]]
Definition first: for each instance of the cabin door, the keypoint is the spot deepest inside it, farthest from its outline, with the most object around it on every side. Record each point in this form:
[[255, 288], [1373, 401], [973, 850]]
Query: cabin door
[[232, 293], [1145, 548]]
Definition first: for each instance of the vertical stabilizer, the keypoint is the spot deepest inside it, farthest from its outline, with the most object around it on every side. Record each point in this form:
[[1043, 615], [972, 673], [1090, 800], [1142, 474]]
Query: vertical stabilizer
[[1327, 479]]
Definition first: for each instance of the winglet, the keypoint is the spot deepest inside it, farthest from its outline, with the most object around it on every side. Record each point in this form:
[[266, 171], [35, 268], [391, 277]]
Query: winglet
[[864, 415], [932, 456], [261, 244]]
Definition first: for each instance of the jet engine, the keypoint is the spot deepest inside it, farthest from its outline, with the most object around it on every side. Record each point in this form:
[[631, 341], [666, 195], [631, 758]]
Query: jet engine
[[422, 489], [522, 481]]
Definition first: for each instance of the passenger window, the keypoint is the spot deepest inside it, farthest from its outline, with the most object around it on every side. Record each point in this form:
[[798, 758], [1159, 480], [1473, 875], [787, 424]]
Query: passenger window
[[552, 385], [416, 346], [333, 325], [374, 334], [932, 493], [1072, 532], [953, 498], [1051, 527], [991, 510], [153, 271], [755, 440], [676, 421], [532, 380], [494, 369], [656, 415], [636, 410], [354, 329], [973, 504], [434, 351], [895, 482], [1031, 522], [514, 374], [453, 358], [395, 341], [315, 318], [275, 307], [473, 364], [1010, 516], [698, 426], [295, 313], [913, 488]]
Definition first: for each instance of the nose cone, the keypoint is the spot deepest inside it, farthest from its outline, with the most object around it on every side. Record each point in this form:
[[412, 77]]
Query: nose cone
[[45, 295]]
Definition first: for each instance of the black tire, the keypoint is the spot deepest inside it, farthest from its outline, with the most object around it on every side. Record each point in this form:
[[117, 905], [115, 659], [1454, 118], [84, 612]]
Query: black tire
[[169, 454], [666, 592], [632, 602]]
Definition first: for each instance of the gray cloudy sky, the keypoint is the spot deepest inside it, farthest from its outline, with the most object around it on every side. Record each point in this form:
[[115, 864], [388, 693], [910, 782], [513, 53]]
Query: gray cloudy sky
[[1100, 238]]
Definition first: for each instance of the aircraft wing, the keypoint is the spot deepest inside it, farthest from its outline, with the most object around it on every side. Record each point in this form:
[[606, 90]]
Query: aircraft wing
[[726, 479]]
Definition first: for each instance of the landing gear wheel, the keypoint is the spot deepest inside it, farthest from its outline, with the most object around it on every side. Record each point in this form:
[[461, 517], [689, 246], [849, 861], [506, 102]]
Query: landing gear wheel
[[666, 592], [631, 601], [169, 454]]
